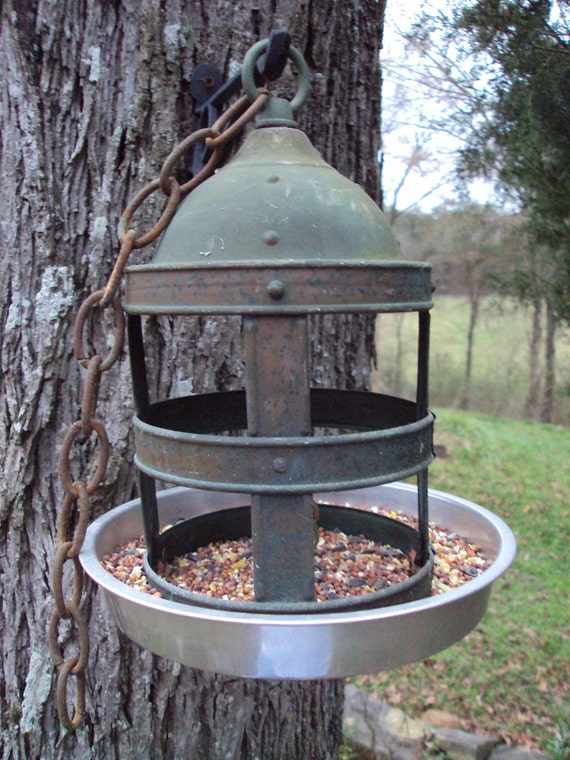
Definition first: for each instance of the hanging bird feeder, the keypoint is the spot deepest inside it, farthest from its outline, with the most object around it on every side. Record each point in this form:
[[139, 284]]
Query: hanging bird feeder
[[275, 236]]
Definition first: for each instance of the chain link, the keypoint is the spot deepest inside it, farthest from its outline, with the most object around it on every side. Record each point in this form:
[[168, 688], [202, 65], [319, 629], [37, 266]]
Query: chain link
[[180, 150], [85, 310], [174, 196], [243, 110], [75, 511]]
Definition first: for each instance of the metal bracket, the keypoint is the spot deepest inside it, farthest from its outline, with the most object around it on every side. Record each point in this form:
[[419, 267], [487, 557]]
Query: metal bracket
[[271, 64], [210, 92]]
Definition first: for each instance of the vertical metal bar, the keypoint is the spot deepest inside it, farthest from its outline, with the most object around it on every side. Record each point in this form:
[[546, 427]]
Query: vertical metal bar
[[150, 517], [140, 392], [423, 364], [422, 402], [138, 363], [423, 517], [278, 405]]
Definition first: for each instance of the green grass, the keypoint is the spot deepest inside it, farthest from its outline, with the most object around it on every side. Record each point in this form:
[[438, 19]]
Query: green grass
[[512, 674], [500, 361]]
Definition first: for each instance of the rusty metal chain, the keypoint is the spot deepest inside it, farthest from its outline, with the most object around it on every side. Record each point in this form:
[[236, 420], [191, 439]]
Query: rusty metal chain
[[75, 514], [75, 511]]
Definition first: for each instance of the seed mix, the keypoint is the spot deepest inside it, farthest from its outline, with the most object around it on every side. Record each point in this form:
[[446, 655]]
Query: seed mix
[[344, 565]]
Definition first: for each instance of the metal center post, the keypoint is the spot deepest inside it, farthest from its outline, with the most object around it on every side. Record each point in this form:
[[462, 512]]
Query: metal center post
[[278, 405]]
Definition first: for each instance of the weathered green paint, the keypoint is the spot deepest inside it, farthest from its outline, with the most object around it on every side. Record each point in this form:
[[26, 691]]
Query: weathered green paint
[[277, 200]]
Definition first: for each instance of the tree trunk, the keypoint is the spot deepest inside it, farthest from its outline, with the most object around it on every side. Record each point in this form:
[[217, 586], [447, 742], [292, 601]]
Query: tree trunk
[[93, 97], [473, 314], [531, 403], [547, 410]]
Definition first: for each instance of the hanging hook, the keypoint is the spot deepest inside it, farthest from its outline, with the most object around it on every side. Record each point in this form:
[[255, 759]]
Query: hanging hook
[[210, 92], [271, 64]]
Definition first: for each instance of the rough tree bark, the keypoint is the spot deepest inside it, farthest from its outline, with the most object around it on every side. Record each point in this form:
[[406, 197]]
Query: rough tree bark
[[93, 95]]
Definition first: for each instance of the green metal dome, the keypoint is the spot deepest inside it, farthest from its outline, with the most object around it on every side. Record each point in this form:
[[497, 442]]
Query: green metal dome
[[277, 200]]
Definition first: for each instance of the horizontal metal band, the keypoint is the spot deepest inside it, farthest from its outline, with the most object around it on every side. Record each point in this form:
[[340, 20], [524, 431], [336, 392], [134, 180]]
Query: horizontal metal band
[[176, 442], [231, 524], [280, 287]]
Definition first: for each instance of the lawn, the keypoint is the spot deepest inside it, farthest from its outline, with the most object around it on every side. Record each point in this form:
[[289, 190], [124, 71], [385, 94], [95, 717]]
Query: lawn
[[511, 676]]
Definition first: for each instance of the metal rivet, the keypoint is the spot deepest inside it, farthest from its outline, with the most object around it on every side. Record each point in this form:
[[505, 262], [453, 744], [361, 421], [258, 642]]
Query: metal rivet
[[276, 289], [273, 179], [270, 237], [279, 464]]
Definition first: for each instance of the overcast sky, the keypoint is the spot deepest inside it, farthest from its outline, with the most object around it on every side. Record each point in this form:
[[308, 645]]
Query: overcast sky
[[432, 184]]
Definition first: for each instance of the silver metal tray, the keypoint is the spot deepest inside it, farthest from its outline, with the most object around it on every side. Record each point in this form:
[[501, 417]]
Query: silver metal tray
[[300, 646]]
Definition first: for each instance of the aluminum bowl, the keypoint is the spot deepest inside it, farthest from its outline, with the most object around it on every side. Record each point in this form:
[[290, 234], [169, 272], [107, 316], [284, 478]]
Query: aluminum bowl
[[331, 645]]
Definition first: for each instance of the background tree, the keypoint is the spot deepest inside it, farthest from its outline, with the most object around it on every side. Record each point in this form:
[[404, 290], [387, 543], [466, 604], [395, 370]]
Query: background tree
[[94, 96], [526, 142], [472, 238], [474, 253], [493, 75]]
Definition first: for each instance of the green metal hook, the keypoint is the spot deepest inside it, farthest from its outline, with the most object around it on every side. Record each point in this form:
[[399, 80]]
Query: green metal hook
[[304, 76]]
